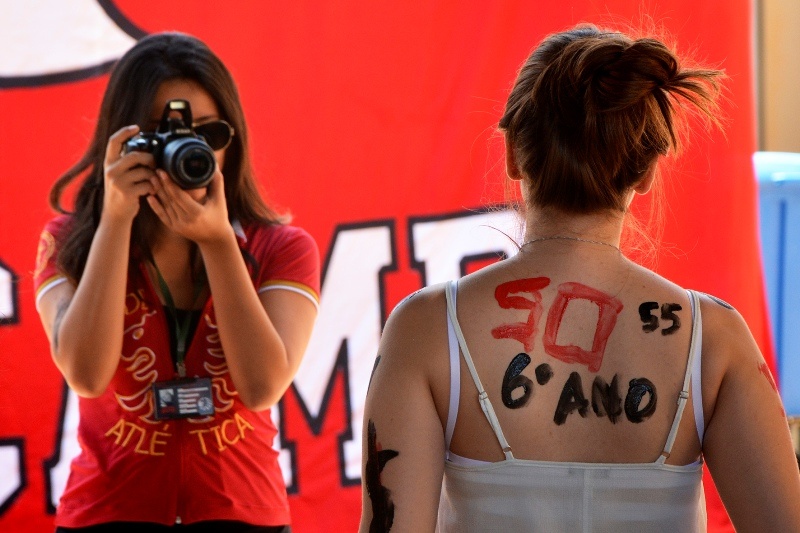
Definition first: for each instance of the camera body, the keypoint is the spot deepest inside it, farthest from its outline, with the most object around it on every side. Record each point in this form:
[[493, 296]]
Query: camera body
[[185, 156]]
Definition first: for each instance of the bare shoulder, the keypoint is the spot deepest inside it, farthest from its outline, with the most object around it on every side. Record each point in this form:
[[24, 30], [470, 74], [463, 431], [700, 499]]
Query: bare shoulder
[[414, 335], [417, 316], [730, 352], [725, 331], [425, 296]]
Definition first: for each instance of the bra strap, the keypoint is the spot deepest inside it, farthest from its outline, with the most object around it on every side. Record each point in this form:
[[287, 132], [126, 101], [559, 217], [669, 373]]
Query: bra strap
[[483, 398], [694, 347], [697, 383], [455, 383]]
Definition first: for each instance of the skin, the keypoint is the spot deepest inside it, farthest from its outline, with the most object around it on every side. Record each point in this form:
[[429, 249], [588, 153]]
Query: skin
[[264, 335], [747, 445]]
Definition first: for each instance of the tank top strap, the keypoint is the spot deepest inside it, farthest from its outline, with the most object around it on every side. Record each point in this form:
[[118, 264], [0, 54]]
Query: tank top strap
[[455, 380], [486, 406], [695, 345]]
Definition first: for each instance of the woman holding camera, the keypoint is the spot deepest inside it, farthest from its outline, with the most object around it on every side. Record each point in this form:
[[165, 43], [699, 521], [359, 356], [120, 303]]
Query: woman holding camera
[[567, 388], [178, 311]]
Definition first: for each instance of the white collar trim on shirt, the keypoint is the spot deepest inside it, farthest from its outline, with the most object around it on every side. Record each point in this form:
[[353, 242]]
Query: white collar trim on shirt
[[239, 230]]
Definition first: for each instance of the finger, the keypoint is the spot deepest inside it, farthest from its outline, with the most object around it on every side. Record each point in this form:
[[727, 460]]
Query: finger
[[178, 203], [216, 188], [123, 179], [165, 187], [158, 209], [114, 146], [142, 188], [130, 168], [165, 197], [117, 173], [135, 159], [181, 202], [140, 175], [155, 182]]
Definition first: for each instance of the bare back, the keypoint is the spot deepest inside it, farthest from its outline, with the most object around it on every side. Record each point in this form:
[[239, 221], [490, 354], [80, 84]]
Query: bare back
[[583, 361], [582, 355]]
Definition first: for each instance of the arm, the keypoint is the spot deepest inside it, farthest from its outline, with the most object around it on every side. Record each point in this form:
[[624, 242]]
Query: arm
[[85, 323], [264, 336], [403, 447], [747, 444]]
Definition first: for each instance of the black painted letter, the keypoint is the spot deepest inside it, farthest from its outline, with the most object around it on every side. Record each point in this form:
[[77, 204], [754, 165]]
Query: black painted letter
[[605, 398], [636, 390], [571, 398]]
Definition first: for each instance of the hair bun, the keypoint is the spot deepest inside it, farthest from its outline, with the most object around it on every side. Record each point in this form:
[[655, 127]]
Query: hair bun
[[626, 74], [592, 110]]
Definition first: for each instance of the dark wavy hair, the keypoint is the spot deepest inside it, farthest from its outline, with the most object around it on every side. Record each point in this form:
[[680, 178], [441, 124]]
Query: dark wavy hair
[[591, 110], [128, 99]]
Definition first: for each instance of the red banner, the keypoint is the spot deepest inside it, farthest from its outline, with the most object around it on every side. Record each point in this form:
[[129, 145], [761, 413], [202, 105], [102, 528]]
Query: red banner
[[374, 124]]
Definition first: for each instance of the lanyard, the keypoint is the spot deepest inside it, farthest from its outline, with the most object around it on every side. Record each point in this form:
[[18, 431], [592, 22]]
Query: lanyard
[[181, 326]]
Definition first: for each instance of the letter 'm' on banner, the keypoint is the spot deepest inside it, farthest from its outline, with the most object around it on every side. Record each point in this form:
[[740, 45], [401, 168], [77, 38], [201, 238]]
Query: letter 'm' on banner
[[441, 244], [351, 307]]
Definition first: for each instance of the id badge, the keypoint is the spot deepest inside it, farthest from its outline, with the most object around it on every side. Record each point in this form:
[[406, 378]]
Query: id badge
[[184, 398]]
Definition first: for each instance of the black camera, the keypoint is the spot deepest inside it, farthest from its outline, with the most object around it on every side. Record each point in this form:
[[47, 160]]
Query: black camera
[[184, 155]]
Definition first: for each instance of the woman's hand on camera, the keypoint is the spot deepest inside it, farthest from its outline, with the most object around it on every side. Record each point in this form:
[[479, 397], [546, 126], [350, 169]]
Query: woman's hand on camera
[[127, 177], [202, 219]]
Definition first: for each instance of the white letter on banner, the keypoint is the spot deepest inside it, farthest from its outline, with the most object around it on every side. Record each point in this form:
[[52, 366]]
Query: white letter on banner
[[67, 447], [350, 309], [8, 296], [12, 472], [441, 244]]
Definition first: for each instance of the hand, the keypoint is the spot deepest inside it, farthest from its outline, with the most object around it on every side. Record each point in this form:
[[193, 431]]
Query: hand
[[127, 177], [200, 215]]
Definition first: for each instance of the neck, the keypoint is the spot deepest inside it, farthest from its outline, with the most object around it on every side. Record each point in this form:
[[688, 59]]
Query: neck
[[549, 224], [173, 259], [172, 254]]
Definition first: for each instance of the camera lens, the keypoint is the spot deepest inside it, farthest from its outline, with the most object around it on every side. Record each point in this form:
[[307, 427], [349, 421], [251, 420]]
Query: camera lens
[[189, 162], [196, 165]]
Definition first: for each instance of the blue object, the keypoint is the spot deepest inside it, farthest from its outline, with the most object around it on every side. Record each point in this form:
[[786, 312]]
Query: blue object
[[778, 175]]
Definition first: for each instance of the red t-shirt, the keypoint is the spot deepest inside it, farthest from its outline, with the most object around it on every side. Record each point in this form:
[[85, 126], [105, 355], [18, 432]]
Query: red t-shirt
[[222, 467]]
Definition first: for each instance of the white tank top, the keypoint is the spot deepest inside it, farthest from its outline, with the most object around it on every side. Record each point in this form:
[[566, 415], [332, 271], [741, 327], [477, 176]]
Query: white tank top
[[516, 495]]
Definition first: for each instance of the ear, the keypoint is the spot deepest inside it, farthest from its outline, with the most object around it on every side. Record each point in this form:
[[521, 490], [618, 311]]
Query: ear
[[646, 183], [512, 170]]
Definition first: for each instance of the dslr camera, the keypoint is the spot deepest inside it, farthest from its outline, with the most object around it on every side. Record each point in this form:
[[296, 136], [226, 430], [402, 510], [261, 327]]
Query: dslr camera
[[184, 155]]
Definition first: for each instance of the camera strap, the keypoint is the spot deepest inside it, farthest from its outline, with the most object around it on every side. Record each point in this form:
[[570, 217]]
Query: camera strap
[[182, 327]]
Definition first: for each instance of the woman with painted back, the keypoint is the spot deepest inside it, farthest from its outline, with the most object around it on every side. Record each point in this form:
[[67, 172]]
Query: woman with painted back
[[568, 388]]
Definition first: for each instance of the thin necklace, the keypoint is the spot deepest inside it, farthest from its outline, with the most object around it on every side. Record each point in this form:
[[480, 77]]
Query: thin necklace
[[566, 238]]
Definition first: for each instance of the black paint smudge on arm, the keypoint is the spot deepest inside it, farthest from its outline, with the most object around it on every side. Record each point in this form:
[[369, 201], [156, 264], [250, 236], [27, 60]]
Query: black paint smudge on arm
[[374, 368], [382, 506], [407, 298], [720, 301]]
